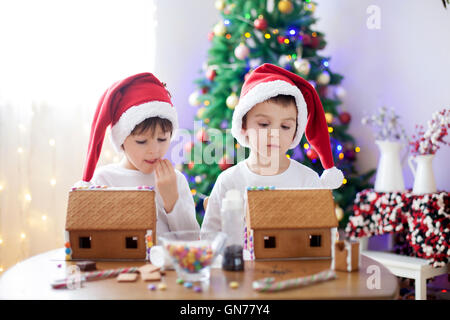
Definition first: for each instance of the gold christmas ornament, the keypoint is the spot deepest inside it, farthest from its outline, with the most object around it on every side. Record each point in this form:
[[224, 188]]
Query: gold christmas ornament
[[339, 213], [232, 101], [219, 29], [200, 112], [219, 4], [193, 99], [329, 117], [310, 7], [285, 6], [323, 79], [241, 51], [302, 66]]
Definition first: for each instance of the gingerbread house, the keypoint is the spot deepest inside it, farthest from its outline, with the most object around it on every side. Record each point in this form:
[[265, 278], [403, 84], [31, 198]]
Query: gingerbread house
[[110, 223], [292, 223]]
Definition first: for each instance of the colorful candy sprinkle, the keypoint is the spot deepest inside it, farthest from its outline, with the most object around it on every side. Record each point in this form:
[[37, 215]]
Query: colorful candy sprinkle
[[198, 289], [234, 284], [162, 286], [151, 287], [188, 284], [191, 259], [180, 281]]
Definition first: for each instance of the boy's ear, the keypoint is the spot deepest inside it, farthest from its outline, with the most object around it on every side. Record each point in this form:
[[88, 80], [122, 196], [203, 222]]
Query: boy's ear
[[244, 133]]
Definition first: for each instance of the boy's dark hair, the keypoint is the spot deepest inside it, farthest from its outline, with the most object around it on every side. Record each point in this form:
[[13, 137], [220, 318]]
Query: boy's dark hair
[[151, 123], [281, 99]]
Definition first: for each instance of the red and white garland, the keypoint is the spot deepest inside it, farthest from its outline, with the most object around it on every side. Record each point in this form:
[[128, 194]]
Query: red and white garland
[[424, 218]]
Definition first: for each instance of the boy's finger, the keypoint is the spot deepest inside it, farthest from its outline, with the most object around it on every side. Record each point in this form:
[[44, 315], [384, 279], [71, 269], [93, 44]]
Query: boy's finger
[[165, 166], [158, 168], [161, 169]]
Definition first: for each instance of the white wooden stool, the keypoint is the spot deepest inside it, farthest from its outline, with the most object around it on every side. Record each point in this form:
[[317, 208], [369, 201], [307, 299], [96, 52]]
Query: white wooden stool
[[408, 267]]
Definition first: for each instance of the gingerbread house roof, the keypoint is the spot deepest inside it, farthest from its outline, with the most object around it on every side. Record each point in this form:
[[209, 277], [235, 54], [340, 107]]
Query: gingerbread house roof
[[291, 209], [111, 210]]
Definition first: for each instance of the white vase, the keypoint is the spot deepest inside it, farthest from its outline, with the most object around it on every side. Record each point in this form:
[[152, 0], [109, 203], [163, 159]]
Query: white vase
[[389, 172], [424, 181]]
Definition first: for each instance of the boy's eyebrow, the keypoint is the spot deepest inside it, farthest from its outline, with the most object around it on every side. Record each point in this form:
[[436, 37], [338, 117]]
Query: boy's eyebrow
[[267, 116], [262, 115]]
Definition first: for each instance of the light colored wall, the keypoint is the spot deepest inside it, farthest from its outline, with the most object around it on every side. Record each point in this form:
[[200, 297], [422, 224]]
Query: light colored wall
[[403, 65], [182, 48]]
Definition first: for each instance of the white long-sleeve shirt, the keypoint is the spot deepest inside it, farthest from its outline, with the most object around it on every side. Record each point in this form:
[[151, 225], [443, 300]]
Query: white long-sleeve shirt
[[182, 216], [240, 177]]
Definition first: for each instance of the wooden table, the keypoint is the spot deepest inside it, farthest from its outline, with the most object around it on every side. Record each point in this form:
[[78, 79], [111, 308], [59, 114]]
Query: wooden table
[[30, 279]]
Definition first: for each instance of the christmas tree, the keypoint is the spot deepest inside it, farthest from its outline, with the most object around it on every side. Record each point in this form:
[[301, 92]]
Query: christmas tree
[[249, 34]]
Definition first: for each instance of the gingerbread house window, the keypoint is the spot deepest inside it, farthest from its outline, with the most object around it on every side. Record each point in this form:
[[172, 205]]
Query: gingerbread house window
[[85, 242], [315, 240], [269, 242], [131, 242]]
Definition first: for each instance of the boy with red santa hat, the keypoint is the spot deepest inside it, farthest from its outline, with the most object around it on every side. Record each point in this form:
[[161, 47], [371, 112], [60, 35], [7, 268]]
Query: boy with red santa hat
[[275, 108], [142, 119]]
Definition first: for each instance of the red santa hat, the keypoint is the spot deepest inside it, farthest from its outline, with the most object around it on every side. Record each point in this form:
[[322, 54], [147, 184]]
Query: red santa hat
[[268, 81], [123, 106]]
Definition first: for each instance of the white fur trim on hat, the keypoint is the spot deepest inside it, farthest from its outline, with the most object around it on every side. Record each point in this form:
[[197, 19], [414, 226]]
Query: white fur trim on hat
[[261, 93], [332, 178], [136, 114]]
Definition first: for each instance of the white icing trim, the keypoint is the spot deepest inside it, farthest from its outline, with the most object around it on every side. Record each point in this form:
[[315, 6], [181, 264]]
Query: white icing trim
[[112, 189], [333, 242], [147, 253], [135, 115], [348, 248], [252, 249], [261, 93], [67, 236], [67, 239]]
